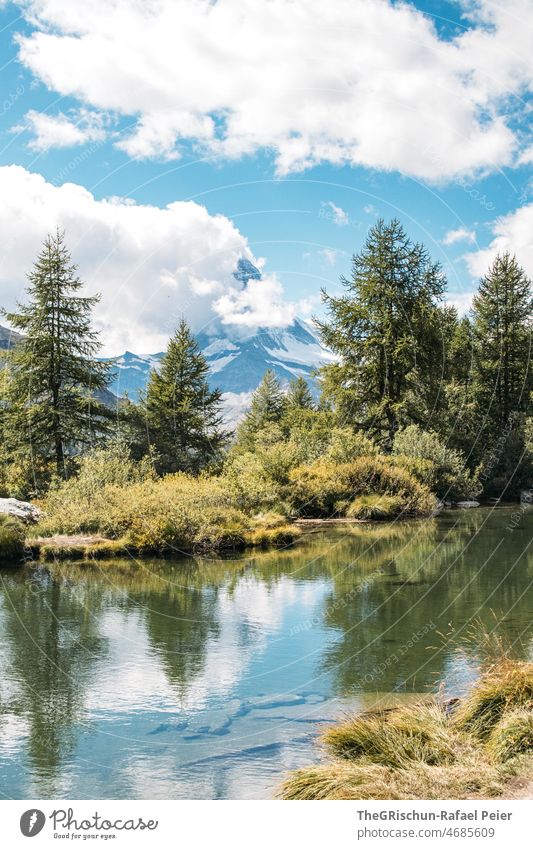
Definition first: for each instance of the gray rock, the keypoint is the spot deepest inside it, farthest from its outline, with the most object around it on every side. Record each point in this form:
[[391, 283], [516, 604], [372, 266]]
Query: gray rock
[[22, 510], [467, 505], [208, 722]]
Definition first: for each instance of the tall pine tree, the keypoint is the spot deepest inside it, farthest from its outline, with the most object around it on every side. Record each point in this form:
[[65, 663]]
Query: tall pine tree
[[52, 411], [182, 413], [502, 322], [299, 395], [386, 329], [502, 382]]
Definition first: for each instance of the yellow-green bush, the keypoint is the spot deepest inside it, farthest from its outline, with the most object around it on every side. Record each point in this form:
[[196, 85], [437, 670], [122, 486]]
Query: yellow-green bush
[[325, 488], [443, 469], [177, 512], [375, 507], [249, 482], [12, 534]]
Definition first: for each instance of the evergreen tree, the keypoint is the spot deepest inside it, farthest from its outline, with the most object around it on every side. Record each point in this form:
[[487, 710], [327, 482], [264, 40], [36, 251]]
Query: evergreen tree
[[182, 413], [267, 407], [502, 322], [387, 331], [457, 417], [461, 352], [299, 395], [503, 376], [52, 411]]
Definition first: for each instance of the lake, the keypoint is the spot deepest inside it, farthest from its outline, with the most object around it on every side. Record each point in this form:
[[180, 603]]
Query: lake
[[208, 678]]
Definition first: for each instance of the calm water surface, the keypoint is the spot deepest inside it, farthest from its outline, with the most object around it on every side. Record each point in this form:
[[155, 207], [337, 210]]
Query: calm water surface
[[209, 678]]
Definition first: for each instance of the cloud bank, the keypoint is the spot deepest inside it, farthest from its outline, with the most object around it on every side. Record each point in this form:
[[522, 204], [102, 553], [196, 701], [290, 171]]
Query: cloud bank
[[150, 265], [511, 233], [366, 83]]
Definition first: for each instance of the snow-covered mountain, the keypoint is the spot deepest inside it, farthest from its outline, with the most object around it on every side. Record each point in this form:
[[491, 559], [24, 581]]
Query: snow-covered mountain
[[237, 361], [8, 338]]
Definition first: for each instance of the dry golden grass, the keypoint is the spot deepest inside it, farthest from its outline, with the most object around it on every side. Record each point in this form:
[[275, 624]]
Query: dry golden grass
[[513, 735], [418, 732], [473, 776], [422, 751]]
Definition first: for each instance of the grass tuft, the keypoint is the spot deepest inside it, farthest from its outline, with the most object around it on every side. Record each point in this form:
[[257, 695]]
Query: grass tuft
[[422, 751], [512, 736], [506, 686], [395, 737]]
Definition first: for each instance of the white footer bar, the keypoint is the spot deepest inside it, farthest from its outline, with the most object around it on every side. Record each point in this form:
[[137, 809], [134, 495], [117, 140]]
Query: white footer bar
[[268, 824]]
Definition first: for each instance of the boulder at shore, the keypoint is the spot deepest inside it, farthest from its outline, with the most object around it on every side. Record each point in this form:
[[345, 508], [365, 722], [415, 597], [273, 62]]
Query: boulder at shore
[[22, 510], [467, 505]]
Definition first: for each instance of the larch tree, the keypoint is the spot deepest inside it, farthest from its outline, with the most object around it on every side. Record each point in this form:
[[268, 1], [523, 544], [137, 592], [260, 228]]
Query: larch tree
[[267, 408], [387, 332], [299, 395], [53, 411], [502, 385], [502, 315]]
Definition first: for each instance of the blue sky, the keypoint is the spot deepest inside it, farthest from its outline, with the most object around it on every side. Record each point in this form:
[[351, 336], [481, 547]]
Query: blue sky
[[289, 135]]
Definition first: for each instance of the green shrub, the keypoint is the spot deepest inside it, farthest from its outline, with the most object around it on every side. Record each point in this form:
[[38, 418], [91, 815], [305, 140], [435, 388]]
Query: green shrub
[[259, 476], [12, 536], [325, 488], [444, 471], [346, 445], [250, 482]]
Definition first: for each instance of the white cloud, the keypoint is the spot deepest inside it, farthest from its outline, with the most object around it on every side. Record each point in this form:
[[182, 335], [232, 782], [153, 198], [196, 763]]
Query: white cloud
[[260, 303], [526, 157], [511, 233], [367, 83], [462, 301], [459, 235], [59, 131], [329, 255], [150, 265], [335, 213]]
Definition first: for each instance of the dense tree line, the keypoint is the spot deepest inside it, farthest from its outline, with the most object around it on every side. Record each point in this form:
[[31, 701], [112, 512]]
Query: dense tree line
[[411, 378]]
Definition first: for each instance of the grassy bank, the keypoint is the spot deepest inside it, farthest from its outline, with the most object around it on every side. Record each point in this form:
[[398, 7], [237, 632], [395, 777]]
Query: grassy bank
[[469, 748], [125, 508], [144, 514], [266, 483]]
